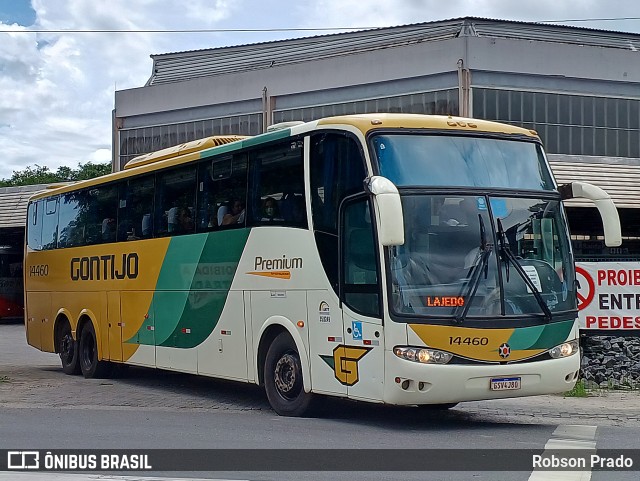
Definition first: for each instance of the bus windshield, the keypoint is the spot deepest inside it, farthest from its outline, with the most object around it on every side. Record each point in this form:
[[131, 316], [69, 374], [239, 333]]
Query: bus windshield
[[449, 160], [472, 256]]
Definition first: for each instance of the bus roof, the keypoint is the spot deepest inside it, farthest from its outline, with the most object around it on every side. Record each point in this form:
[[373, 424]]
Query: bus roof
[[217, 145], [369, 122], [183, 149]]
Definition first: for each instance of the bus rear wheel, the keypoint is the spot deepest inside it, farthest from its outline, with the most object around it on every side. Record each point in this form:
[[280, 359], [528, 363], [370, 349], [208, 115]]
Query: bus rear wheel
[[283, 378], [68, 350], [90, 366]]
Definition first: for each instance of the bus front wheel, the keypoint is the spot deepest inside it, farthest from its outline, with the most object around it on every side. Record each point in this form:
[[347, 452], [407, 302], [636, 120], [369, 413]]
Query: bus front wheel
[[283, 378], [90, 366], [68, 350]]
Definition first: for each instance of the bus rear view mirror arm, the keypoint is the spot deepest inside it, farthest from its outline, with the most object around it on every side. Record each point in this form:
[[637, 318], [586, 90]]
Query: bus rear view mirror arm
[[388, 207], [606, 207]]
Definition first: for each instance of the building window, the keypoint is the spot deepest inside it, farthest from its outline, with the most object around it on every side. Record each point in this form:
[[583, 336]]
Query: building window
[[567, 124], [441, 102], [135, 142]]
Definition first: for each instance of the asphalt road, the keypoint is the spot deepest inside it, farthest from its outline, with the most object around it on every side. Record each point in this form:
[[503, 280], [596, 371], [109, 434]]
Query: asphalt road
[[41, 408]]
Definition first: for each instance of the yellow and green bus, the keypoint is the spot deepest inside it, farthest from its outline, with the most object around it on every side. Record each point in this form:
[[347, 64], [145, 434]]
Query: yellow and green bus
[[394, 258]]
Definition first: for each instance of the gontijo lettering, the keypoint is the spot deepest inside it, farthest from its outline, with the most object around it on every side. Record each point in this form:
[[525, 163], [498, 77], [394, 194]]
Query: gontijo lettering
[[107, 267]]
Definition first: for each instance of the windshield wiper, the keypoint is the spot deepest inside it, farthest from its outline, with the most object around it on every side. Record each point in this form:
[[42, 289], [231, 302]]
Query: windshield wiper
[[479, 265], [508, 256]]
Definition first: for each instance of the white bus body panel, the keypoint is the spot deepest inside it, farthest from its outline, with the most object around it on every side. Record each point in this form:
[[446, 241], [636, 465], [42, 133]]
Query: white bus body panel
[[224, 352], [454, 383]]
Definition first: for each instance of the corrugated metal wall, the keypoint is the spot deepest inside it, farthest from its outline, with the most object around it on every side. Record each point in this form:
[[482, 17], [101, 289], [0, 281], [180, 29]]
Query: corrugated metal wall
[[13, 204], [620, 180], [181, 66]]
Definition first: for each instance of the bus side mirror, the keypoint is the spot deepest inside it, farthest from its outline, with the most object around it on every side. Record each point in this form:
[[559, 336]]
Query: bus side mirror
[[388, 208], [606, 208]]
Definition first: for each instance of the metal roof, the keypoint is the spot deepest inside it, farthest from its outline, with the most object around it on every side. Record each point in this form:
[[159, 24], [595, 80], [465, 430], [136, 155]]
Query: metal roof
[[13, 204], [620, 180], [181, 66]]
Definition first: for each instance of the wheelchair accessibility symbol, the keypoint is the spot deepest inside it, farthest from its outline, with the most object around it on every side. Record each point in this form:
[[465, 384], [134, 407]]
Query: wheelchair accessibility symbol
[[356, 328]]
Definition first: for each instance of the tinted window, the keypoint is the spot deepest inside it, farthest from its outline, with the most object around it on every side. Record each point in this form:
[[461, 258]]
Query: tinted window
[[337, 171], [135, 213], [50, 223], [176, 202], [34, 225], [277, 186], [73, 212], [102, 219], [222, 193], [360, 272]]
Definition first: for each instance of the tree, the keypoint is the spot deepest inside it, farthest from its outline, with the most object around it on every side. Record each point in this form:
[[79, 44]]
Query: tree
[[40, 174]]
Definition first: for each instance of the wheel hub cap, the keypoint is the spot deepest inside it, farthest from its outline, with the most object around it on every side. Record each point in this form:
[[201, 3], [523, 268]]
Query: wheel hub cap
[[285, 373]]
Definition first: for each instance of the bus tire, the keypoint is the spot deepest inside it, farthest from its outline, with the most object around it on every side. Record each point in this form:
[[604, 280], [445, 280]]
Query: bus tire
[[90, 366], [68, 349], [283, 378]]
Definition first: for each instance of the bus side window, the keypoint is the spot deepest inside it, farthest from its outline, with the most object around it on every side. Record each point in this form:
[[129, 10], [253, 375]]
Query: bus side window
[[34, 225], [103, 214], [360, 271], [175, 201], [337, 170], [135, 208], [50, 223], [71, 228], [222, 183], [277, 185]]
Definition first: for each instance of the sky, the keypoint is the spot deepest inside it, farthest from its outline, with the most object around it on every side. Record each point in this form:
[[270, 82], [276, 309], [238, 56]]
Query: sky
[[58, 76]]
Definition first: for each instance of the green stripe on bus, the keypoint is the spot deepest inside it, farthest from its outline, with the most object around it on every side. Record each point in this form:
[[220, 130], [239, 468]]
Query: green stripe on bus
[[243, 144], [540, 337], [192, 288]]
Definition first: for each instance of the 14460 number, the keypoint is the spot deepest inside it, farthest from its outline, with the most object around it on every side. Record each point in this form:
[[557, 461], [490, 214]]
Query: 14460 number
[[469, 341]]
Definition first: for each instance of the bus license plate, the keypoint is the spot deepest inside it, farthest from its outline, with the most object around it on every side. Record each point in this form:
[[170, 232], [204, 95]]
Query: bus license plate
[[505, 383]]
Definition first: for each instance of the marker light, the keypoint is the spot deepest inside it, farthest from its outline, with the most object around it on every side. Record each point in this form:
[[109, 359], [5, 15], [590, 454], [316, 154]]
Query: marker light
[[422, 355], [565, 349]]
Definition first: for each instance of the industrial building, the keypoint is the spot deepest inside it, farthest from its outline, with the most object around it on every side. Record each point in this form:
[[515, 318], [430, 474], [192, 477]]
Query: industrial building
[[578, 87]]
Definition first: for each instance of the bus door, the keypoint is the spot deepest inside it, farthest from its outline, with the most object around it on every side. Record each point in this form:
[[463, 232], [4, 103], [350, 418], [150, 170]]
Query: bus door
[[224, 353], [114, 326], [326, 341], [138, 328], [362, 359], [38, 313], [177, 329]]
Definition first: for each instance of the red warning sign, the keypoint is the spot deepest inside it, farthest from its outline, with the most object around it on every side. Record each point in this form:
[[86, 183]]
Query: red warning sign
[[608, 296], [587, 289]]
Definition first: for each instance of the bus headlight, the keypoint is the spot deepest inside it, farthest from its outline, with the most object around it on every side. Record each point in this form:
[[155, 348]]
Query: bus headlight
[[565, 349], [422, 355]]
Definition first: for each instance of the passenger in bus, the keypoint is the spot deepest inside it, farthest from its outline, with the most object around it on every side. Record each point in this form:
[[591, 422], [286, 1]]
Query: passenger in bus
[[270, 210], [108, 229], [236, 214], [180, 220], [464, 214], [172, 219], [184, 221]]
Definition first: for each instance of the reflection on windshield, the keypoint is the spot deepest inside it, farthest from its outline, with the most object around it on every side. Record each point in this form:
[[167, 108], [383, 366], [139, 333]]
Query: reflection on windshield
[[451, 265], [441, 160]]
